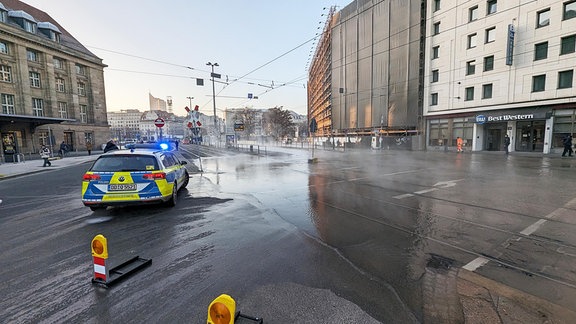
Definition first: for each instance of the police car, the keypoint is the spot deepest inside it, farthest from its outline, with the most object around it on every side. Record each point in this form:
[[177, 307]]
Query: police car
[[140, 174]]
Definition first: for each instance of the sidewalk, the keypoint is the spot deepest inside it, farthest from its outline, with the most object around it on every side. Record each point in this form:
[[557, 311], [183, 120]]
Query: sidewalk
[[9, 170]]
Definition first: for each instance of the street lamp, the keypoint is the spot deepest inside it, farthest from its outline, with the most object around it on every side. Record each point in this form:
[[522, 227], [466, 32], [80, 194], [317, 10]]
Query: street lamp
[[213, 75], [190, 98]]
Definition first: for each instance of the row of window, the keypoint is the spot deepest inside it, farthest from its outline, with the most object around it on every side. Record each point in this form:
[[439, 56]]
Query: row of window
[[35, 80], [8, 107], [491, 8], [567, 46], [35, 56], [565, 81], [543, 16], [28, 23]]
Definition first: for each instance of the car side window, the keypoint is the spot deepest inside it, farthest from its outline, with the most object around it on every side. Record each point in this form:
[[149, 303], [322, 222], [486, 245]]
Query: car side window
[[167, 160]]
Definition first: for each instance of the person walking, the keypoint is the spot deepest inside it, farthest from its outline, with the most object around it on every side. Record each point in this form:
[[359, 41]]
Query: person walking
[[567, 141], [89, 147], [63, 149], [459, 143], [506, 143], [45, 155]]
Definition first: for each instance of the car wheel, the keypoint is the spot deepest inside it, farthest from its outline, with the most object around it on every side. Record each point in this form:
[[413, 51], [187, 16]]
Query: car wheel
[[174, 198], [97, 208], [186, 179]]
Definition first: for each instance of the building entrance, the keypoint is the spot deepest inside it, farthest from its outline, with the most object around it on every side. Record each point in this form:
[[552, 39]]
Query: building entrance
[[530, 136], [495, 137]]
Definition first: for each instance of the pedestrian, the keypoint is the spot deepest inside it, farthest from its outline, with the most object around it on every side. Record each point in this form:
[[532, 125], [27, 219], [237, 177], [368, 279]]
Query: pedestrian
[[110, 146], [506, 143], [45, 155], [63, 149], [567, 141], [459, 143], [89, 147]]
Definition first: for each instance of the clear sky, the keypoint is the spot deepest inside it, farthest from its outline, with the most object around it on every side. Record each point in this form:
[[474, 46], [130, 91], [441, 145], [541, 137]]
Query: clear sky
[[149, 45]]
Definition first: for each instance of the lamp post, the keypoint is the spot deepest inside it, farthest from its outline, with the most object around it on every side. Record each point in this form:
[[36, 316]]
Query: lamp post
[[190, 98], [213, 75]]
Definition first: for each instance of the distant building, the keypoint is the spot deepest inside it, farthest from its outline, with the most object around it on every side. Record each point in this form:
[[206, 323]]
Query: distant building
[[51, 86], [125, 124], [156, 103]]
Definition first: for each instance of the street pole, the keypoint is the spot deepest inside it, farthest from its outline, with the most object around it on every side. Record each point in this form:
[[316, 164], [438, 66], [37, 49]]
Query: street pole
[[190, 98], [214, 99]]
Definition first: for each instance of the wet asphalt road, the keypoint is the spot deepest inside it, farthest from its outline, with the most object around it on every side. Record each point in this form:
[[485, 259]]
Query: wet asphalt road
[[360, 237]]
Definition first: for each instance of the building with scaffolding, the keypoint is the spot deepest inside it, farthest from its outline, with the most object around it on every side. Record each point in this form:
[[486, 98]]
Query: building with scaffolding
[[365, 80]]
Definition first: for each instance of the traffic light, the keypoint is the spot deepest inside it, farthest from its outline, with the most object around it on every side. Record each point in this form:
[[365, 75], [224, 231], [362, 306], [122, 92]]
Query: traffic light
[[222, 310]]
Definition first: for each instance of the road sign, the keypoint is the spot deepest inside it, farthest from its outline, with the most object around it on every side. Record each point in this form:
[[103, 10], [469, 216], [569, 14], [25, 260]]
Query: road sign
[[238, 126], [159, 122]]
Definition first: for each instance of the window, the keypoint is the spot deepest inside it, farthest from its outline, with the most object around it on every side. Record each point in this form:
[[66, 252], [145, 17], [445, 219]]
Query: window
[[60, 86], [58, 63], [436, 28], [436, 5], [490, 35], [472, 40], [81, 88], [491, 6], [34, 79], [32, 55], [434, 99], [565, 79], [470, 67], [540, 51], [8, 104], [469, 94], [543, 18], [487, 91], [29, 26], [37, 107], [80, 69], [473, 13], [435, 75], [569, 10], [568, 44], [5, 73], [538, 83], [489, 63], [3, 48], [83, 114], [63, 110], [435, 52]]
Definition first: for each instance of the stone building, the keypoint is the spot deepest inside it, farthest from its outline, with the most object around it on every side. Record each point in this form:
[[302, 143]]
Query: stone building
[[51, 86]]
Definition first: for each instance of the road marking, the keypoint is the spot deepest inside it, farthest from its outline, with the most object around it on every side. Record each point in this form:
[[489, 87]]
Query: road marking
[[425, 191], [403, 196], [476, 263], [480, 261], [532, 228]]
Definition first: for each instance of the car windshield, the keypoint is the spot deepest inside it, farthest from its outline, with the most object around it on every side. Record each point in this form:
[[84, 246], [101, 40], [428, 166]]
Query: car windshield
[[116, 163]]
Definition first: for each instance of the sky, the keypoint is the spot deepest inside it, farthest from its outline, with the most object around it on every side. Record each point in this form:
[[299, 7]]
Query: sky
[[262, 47]]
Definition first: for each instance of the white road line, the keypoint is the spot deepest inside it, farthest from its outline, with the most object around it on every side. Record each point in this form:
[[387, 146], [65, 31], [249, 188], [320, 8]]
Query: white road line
[[425, 191], [403, 196], [480, 261], [532, 228], [476, 263]]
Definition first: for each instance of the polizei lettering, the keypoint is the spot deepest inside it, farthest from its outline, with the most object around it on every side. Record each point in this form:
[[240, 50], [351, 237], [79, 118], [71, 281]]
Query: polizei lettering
[[510, 117]]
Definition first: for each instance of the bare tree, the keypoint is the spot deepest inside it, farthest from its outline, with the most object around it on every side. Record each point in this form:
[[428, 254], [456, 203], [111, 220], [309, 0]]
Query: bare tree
[[278, 123]]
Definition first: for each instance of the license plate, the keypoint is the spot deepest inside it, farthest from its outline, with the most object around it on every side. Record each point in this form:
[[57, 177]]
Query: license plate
[[122, 187]]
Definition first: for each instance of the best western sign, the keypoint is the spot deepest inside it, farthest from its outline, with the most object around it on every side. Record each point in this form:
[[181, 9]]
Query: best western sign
[[504, 117]]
